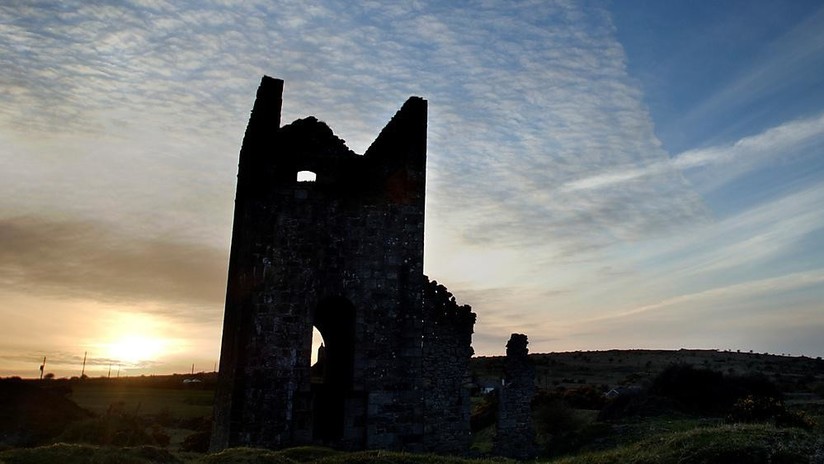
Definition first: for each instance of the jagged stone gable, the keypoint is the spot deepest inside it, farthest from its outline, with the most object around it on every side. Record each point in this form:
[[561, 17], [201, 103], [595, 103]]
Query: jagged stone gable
[[343, 254]]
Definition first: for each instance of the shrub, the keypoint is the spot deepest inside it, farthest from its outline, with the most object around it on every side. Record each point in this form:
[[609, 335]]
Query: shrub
[[34, 413], [704, 391], [484, 413], [695, 390], [116, 428], [64, 453], [752, 409], [755, 409], [751, 444], [197, 442], [552, 416], [636, 404], [560, 428]]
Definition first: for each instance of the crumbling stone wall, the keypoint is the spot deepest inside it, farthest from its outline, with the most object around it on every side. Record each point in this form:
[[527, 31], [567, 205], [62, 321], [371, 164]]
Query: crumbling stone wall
[[448, 333], [515, 436], [343, 254]]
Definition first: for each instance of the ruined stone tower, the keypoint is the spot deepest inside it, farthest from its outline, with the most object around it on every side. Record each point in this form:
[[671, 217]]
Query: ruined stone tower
[[515, 435], [342, 253]]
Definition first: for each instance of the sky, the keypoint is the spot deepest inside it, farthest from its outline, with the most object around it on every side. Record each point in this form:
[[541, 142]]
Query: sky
[[633, 174]]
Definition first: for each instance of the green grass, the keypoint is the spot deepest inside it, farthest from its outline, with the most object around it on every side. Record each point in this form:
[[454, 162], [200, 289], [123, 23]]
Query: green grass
[[751, 444], [666, 438], [179, 403], [246, 456], [87, 454]]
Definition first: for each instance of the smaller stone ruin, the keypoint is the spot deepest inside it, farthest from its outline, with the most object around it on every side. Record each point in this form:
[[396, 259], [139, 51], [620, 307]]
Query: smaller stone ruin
[[515, 437]]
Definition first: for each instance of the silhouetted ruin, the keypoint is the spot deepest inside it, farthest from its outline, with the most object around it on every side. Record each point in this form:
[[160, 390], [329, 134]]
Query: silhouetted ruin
[[342, 253], [515, 435]]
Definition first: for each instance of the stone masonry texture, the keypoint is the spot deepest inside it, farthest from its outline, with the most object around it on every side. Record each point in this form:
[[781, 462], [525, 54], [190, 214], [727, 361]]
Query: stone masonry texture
[[515, 435], [342, 254]]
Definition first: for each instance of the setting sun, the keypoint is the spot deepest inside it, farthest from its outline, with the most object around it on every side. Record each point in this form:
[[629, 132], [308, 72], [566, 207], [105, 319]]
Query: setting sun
[[136, 338], [133, 349]]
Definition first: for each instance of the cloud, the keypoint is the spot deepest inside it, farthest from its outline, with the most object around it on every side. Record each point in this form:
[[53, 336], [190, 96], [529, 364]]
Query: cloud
[[770, 314], [89, 260], [727, 161], [523, 98], [766, 240], [737, 292], [121, 124], [783, 66]]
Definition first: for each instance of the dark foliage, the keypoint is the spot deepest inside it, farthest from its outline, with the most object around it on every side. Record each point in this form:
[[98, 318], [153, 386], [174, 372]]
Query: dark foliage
[[637, 404], [64, 453], [485, 413], [765, 409], [693, 389], [197, 442], [584, 397], [116, 428], [559, 427], [682, 388], [704, 391], [33, 413]]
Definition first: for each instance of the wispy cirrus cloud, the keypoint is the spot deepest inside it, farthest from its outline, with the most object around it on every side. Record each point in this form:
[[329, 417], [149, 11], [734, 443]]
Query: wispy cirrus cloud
[[784, 64], [728, 161], [548, 189], [735, 292], [517, 107]]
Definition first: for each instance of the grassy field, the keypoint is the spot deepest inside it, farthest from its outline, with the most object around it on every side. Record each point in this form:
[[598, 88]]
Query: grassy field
[[158, 418], [634, 367], [749, 444], [186, 403]]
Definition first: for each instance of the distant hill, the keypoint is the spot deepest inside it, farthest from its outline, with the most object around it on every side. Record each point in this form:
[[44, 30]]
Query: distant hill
[[609, 369]]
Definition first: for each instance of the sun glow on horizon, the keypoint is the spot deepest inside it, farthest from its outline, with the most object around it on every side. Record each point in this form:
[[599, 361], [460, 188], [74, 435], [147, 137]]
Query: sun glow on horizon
[[137, 337], [133, 349]]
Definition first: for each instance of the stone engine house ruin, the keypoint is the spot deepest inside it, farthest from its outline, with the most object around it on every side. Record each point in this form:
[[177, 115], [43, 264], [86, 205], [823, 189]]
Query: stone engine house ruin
[[343, 254]]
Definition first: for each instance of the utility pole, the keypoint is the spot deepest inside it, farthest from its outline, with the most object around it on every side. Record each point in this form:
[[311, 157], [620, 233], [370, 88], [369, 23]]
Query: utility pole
[[83, 370], [42, 367], [110, 371], [193, 368]]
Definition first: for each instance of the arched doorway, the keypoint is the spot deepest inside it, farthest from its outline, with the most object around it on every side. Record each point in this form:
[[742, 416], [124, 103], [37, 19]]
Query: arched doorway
[[332, 375]]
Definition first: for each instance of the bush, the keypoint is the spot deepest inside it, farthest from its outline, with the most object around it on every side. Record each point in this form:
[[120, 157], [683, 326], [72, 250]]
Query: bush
[[704, 391], [64, 453], [587, 397], [553, 416], [560, 428], [33, 413], [116, 428], [484, 413], [693, 389], [751, 444], [197, 442], [751, 409], [637, 404]]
